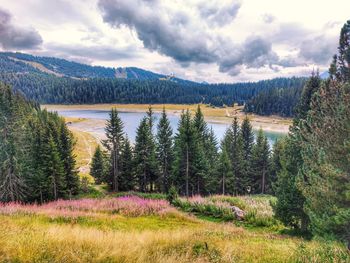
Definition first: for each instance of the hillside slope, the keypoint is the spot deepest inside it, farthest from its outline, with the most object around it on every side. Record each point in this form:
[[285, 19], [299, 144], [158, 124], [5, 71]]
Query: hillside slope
[[20, 62], [51, 80]]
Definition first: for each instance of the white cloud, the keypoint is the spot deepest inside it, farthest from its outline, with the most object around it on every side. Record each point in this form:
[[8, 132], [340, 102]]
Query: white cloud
[[214, 41]]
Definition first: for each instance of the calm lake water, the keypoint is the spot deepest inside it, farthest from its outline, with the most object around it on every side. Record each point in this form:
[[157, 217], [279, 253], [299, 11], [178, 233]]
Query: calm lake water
[[131, 121]]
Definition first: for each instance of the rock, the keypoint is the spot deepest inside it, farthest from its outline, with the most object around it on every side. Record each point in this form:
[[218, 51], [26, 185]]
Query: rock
[[239, 213]]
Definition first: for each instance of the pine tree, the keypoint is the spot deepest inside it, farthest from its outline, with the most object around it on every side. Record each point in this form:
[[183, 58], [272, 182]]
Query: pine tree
[[233, 143], [324, 142], [67, 143], [165, 150], [127, 166], [54, 170], [113, 143], [205, 153], [276, 165], [311, 86], [224, 170], [36, 158], [200, 125], [150, 117], [212, 161], [344, 53], [12, 183], [97, 168], [145, 156], [290, 200], [260, 163], [184, 150], [247, 136], [154, 180], [36, 179]]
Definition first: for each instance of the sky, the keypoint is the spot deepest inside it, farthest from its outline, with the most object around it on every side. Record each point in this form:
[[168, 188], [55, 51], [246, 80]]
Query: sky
[[201, 40]]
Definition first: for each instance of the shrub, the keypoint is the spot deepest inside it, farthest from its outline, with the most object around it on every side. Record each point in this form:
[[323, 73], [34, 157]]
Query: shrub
[[172, 195], [127, 206], [156, 196]]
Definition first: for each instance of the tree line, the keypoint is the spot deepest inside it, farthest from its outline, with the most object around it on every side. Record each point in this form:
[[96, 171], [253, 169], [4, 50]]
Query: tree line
[[313, 174], [48, 88], [36, 152], [191, 160], [275, 101]]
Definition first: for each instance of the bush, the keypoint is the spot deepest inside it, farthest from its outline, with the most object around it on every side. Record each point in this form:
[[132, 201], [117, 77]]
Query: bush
[[172, 195], [205, 207], [156, 196]]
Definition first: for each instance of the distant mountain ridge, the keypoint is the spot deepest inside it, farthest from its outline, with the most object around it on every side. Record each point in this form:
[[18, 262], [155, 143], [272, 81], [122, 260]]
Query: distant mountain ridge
[[64, 68], [58, 81]]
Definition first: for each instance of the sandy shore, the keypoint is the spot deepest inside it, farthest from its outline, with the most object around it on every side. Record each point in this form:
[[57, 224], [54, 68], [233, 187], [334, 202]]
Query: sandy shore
[[211, 114]]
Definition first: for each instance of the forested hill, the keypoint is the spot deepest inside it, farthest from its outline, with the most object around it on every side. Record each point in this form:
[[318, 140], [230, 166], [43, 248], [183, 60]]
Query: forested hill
[[52, 80], [20, 62]]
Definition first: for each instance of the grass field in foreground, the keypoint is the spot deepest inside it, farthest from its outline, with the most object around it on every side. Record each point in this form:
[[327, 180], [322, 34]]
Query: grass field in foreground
[[132, 229]]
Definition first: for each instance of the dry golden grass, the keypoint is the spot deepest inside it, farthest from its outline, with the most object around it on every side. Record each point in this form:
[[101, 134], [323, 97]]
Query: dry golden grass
[[168, 237], [35, 242], [84, 150]]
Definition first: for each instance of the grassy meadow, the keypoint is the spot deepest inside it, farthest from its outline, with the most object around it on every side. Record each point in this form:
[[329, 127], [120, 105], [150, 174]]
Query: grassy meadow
[[132, 227]]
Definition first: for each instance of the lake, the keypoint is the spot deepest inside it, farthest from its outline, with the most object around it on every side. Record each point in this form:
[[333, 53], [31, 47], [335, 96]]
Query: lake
[[131, 121]]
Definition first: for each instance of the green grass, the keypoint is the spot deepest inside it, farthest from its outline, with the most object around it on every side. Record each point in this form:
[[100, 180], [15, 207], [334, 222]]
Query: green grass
[[168, 237], [258, 209], [105, 222]]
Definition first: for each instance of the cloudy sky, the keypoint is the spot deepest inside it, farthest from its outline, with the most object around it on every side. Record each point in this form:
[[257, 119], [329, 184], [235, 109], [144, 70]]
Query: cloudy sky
[[201, 40]]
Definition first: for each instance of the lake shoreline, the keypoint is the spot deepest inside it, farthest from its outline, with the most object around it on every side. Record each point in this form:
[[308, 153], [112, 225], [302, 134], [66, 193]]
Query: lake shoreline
[[225, 115]]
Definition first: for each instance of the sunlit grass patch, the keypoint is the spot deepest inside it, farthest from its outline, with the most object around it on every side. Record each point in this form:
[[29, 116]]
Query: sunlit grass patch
[[34, 240], [257, 209]]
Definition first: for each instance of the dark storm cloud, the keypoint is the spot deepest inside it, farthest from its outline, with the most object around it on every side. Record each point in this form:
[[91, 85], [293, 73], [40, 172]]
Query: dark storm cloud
[[190, 35], [219, 14], [169, 33], [290, 33], [318, 50], [173, 34], [15, 37], [255, 52]]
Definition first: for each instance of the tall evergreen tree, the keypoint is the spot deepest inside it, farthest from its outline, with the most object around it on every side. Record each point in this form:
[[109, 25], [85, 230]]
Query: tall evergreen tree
[[184, 151], [54, 169], [150, 117], [127, 166], [247, 135], [12, 185], [113, 143], [200, 157], [145, 156], [290, 200], [98, 168], [224, 170], [344, 53], [36, 158], [154, 180], [212, 159], [165, 150], [67, 143], [324, 142], [260, 163], [233, 143], [312, 85], [276, 165]]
